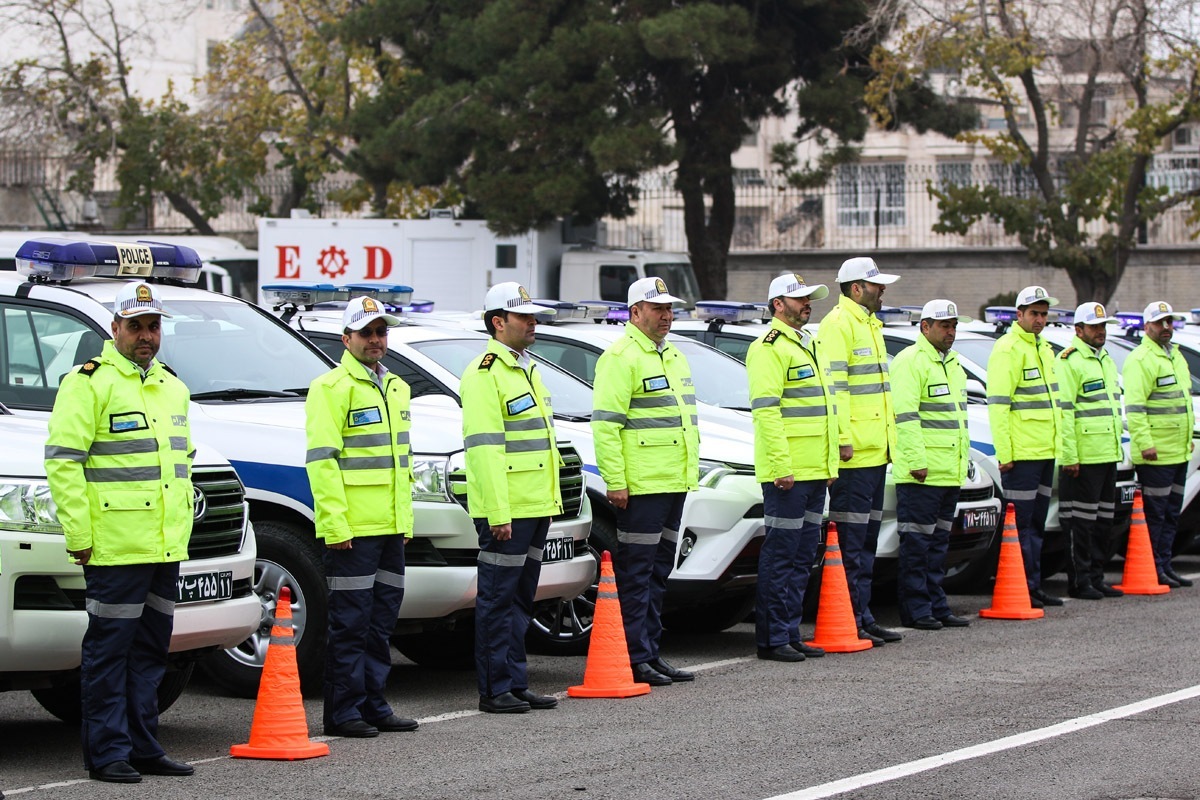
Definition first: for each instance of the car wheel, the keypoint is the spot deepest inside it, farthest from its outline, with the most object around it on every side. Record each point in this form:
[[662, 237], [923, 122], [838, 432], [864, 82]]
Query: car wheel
[[287, 556], [564, 627], [66, 701]]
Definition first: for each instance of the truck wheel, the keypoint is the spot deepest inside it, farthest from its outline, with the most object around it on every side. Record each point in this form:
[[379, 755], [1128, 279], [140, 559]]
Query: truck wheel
[[287, 556], [442, 648], [66, 702], [564, 627]]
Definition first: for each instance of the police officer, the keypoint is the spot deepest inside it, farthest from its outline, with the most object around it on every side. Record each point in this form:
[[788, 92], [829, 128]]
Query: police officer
[[357, 424], [1158, 409], [1090, 397], [647, 447], [795, 459], [118, 459], [1024, 414], [929, 388], [850, 346], [512, 492]]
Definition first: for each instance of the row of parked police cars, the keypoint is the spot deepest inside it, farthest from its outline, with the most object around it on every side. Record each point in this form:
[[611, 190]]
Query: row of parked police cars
[[248, 369]]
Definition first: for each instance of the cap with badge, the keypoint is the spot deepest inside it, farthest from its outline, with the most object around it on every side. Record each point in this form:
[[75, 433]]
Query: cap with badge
[[790, 284], [362, 311], [943, 309], [1092, 314], [137, 299], [650, 290], [512, 296], [863, 268], [1034, 294], [1159, 310]]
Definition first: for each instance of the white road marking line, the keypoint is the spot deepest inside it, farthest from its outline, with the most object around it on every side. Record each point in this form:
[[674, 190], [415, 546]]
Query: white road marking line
[[987, 748]]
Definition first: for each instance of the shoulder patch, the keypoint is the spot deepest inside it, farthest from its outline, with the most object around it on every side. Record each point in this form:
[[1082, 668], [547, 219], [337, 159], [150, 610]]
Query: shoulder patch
[[771, 336], [168, 369], [1066, 352], [89, 367], [486, 362]]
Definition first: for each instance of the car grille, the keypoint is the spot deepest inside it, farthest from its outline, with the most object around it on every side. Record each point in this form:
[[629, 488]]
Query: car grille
[[570, 482], [975, 495], [219, 531]]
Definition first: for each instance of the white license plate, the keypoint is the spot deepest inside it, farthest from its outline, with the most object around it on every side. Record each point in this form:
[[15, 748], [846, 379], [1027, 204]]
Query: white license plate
[[1127, 494], [562, 549], [980, 519], [202, 586]]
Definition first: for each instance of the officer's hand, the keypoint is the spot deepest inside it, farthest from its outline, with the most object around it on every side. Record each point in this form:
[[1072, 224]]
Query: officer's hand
[[786, 482], [919, 474], [346, 545], [1150, 454], [81, 556], [619, 497], [829, 482], [1006, 467], [502, 533], [1071, 469], [846, 452]]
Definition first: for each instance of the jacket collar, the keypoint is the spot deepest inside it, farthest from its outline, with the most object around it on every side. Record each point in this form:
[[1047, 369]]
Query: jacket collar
[[644, 341], [1088, 350], [360, 371], [803, 337], [932, 353], [1021, 333], [859, 312], [110, 355]]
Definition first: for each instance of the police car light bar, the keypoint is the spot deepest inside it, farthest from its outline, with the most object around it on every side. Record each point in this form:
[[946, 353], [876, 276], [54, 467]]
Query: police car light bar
[[890, 315], [562, 311], [54, 259], [386, 293], [305, 294], [614, 311], [419, 307], [1132, 321], [1062, 317], [914, 313], [728, 311], [1000, 315], [1196, 316]]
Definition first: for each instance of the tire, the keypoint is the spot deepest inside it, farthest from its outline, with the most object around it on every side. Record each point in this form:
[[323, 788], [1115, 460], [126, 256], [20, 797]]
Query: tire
[[66, 701], [287, 556], [564, 627], [444, 648]]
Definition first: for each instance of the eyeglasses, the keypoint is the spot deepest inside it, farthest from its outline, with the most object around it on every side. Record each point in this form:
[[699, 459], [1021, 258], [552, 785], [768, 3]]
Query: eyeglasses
[[367, 333]]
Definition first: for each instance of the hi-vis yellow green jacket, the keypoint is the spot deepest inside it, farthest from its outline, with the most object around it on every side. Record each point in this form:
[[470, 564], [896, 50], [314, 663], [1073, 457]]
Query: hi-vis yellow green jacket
[[1158, 403], [795, 421], [1090, 398], [508, 430], [358, 460], [931, 415], [850, 346], [118, 459], [1022, 398], [644, 417]]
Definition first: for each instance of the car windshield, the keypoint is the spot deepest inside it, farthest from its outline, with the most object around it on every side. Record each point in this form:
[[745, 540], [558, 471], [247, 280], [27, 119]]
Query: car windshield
[[570, 396], [232, 347], [680, 280], [720, 380]]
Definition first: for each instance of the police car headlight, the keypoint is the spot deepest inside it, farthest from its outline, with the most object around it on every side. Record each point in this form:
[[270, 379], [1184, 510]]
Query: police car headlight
[[28, 506], [430, 479], [711, 472]]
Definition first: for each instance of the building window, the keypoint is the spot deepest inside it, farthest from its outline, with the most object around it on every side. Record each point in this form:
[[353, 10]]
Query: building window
[[954, 173], [863, 189]]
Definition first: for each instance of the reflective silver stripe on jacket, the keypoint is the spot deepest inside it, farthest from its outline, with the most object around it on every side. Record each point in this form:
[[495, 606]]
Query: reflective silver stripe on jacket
[[764, 402], [866, 369], [367, 440], [501, 559], [644, 423], [1167, 410], [526, 445], [999, 400], [931, 407], [1029, 390], [181, 470], [365, 462], [320, 454], [1030, 405], [870, 388], [178, 442], [476, 439], [803, 411], [114, 474], [804, 391], [1095, 412], [608, 416], [402, 438], [907, 416], [667, 401], [130, 446], [531, 424], [65, 453]]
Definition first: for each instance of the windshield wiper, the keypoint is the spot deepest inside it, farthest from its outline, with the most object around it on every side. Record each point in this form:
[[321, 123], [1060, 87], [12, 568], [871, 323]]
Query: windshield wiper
[[241, 394], [573, 417], [737, 408]]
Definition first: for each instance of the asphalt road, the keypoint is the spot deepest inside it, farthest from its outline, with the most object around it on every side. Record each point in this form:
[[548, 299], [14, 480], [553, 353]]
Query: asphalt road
[[1100, 699]]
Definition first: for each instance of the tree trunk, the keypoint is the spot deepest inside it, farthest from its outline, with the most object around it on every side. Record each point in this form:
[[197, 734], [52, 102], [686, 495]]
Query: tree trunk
[[708, 233], [185, 207], [294, 196], [1093, 283]]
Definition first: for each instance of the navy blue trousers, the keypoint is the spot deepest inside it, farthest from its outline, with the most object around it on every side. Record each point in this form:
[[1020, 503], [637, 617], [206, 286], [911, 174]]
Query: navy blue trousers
[[647, 538], [131, 612], [793, 522], [856, 505], [1085, 509], [1027, 486], [1162, 499], [508, 579], [925, 515], [366, 587]]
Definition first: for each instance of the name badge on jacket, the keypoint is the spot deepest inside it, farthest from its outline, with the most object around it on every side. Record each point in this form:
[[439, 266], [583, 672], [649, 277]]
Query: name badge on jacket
[[364, 416], [1093, 386], [800, 373], [522, 403], [129, 421], [656, 384], [1165, 380], [863, 351], [939, 390], [1033, 374]]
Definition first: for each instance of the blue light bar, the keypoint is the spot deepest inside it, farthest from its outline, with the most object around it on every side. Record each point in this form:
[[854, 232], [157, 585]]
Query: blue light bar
[[1129, 320], [617, 312], [891, 315], [306, 294], [55, 259], [1196, 316], [728, 311], [396, 294], [1000, 315], [914, 313], [419, 307], [1062, 317]]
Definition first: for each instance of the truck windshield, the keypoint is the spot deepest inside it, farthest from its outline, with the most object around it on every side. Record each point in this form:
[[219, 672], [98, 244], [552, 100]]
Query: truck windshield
[[229, 350], [680, 280]]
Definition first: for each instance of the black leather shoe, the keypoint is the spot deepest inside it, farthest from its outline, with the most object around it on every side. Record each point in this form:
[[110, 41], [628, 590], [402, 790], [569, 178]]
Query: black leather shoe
[[162, 766], [644, 673], [116, 772], [1175, 576], [505, 703], [807, 650], [887, 634], [676, 675], [1046, 599], [394, 724], [874, 640], [783, 652], [1034, 602], [1166, 580], [951, 621], [538, 702], [1108, 591], [926, 624], [1085, 593], [354, 729]]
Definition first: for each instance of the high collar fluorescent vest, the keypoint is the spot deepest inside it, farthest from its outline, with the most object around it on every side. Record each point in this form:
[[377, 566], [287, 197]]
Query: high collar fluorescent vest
[[930, 394], [1090, 397], [1158, 403], [1022, 397]]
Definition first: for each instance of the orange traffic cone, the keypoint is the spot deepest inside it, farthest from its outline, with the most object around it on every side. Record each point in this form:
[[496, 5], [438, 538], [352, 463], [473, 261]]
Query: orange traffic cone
[[1141, 575], [1010, 598], [280, 729], [836, 630], [608, 673]]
